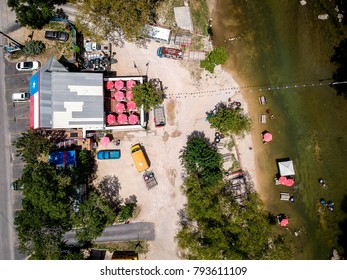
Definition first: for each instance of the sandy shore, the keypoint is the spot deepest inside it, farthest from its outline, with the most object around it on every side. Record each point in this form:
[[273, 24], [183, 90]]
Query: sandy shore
[[186, 105]]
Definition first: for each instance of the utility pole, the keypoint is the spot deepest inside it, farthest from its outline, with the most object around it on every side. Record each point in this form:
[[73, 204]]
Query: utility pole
[[13, 40]]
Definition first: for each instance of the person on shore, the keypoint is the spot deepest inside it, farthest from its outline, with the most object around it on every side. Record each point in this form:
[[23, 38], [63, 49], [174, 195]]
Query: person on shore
[[272, 116], [267, 111]]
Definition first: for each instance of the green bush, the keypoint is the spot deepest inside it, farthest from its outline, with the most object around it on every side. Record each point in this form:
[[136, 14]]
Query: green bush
[[33, 47], [216, 57], [127, 211]]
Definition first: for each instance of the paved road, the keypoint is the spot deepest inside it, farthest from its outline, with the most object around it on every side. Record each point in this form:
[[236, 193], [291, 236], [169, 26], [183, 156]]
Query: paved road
[[125, 232], [13, 119]]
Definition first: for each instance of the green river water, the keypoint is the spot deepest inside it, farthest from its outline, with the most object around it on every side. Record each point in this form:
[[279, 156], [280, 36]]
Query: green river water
[[280, 42]]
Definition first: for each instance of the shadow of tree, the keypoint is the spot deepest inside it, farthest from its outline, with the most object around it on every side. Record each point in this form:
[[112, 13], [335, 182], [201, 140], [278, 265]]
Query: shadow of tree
[[109, 188]]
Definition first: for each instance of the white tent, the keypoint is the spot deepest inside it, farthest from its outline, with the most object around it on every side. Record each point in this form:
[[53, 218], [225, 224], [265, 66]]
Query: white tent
[[286, 168]]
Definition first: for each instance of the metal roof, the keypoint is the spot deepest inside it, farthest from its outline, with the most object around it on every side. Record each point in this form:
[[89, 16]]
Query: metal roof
[[70, 99]]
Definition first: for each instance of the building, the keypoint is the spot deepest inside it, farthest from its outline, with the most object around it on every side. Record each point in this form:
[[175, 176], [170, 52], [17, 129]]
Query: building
[[65, 100], [158, 33]]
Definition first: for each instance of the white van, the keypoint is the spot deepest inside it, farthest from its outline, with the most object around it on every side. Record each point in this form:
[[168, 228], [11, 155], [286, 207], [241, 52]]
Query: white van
[[20, 96]]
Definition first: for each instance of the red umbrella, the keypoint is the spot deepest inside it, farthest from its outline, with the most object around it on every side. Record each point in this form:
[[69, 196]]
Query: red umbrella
[[290, 182], [120, 107], [109, 84], [104, 141], [129, 95], [130, 84], [284, 222], [131, 106], [282, 180], [111, 119], [122, 118], [267, 137], [133, 119], [119, 84], [119, 95]]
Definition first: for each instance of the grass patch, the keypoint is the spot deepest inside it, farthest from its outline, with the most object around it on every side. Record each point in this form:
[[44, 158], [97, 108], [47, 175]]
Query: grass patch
[[200, 16], [165, 12], [140, 247]]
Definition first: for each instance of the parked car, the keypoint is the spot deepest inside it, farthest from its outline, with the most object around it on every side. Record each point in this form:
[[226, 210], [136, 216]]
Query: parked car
[[57, 35], [16, 186], [28, 65], [20, 96], [108, 154]]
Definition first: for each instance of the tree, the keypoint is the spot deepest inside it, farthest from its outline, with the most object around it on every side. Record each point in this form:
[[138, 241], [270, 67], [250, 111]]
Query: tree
[[114, 19], [147, 96], [31, 145], [231, 121], [198, 157], [35, 15], [92, 218], [216, 57], [33, 47]]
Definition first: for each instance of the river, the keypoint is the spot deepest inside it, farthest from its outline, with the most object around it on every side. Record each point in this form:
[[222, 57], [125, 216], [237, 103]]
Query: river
[[282, 43]]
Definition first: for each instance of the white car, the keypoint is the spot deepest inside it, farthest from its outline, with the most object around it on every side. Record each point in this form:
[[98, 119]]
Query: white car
[[28, 65]]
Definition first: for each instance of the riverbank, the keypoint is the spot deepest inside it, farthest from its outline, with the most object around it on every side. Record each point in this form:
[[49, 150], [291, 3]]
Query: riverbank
[[292, 47]]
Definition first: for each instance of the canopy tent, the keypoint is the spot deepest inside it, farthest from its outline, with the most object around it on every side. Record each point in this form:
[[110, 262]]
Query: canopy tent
[[267, 137], [130, 84], [129, 95], [133, 119], [104, 141], [111, 119], [284, 222], [120, 107], [122, 118], [119, 95], [131, 106], [119, 84], [286, 168], [109, 85]]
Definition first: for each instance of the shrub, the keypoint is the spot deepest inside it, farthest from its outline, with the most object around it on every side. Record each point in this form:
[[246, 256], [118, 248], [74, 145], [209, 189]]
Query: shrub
[[33, 47]]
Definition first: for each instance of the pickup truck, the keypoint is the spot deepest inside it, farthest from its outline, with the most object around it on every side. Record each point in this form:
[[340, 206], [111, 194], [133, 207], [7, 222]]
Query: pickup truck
[[150, 179]]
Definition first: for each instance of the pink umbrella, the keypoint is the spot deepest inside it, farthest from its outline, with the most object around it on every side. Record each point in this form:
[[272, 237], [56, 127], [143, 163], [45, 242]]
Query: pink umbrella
[[104, 141], [133, 119], [282, 180], [267, 137], [129, 95], [130, 84], [284, 222], [119, 84], [290, 182], [119, 95], [120, 107], [122, 118], [111, 119], [131, 106], [109, 84]]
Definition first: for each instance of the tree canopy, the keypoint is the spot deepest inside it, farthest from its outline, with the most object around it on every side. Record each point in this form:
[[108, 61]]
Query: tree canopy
[[114, 19], [198, 157], [213, 224], [215, 57], [231, 121], [36, 14], [147, 96]]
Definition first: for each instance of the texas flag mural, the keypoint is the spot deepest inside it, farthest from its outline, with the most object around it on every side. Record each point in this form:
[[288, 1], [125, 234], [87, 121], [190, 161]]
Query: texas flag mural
[[35, 101], [63, 159]]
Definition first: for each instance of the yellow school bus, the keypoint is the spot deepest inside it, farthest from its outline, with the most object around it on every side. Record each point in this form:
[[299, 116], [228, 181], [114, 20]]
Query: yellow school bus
[[139, 158]]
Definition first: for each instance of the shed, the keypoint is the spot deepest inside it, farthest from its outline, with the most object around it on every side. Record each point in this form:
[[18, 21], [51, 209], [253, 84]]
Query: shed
[[197, 55], [158, 33], [286, 168], [183, 40]]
